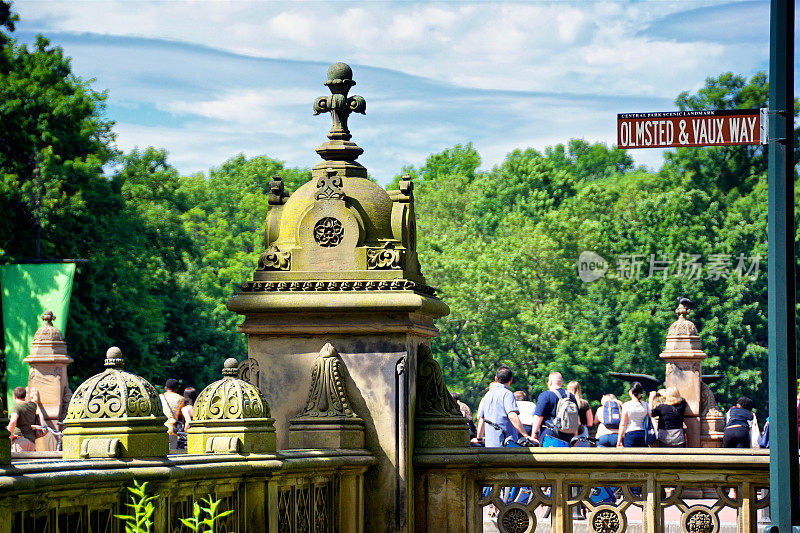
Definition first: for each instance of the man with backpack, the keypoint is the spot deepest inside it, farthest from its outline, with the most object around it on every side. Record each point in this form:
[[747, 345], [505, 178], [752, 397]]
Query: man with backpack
[[556, 413], [498, 414]]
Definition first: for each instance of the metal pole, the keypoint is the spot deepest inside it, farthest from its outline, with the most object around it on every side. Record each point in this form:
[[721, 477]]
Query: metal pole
[[783, 466]]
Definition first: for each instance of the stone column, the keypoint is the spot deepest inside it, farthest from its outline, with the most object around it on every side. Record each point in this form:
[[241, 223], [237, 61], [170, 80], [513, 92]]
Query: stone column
[[339, 289], [48, 363], [684, 358]]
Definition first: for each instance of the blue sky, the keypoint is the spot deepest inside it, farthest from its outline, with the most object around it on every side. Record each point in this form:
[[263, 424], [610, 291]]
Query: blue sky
[[207, 80]]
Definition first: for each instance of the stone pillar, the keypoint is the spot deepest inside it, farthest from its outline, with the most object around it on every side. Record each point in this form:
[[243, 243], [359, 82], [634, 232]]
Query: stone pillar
[[684, 356], [339, 289], [48, 363]]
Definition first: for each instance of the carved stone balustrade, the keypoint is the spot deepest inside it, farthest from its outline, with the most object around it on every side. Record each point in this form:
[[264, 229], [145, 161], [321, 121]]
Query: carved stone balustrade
[[320, 491], [512, 490]]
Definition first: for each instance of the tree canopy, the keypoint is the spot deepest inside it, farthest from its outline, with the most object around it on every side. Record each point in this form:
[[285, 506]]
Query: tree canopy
[[165, 251]]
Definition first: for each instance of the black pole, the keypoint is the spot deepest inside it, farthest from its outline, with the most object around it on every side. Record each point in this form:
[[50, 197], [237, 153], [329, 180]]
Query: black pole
[[783, 465]]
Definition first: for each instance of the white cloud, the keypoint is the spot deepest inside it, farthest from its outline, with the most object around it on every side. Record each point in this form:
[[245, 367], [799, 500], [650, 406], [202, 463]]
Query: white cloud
[[573, 65]]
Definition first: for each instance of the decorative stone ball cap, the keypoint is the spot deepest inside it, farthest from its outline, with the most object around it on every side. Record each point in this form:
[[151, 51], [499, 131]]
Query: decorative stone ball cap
[[340, 73], [48, 333], [230, 398], [48, 317], [230, 368], [685, 305], [114, 358], [115, 394]]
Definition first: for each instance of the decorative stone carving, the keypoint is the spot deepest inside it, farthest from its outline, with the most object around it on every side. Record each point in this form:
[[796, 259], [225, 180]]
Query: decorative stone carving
[[327, 396], [249, 371], [274, 259], [433, 398], [277, 194], [231, 416], [683, 355], [708, 403], [438, 419], [116, 403], [386, 258], [607, 519], [337, 285], [328, 232], [699, 519], [338, 104], [516, 520], [329, 186], [328, 420]]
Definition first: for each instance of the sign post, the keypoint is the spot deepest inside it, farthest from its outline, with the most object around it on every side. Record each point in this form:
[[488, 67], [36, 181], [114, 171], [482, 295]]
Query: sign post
[[783, 458]]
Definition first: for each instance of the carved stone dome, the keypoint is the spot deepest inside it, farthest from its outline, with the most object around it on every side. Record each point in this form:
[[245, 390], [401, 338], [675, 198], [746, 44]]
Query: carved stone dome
[[367, 201], [48, 333], [230, 398], [114, 394]]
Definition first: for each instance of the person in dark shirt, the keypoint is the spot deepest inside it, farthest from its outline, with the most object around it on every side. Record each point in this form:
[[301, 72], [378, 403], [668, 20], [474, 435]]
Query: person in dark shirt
[[546, 410], [670, 413], [740, 425], [22, 417]]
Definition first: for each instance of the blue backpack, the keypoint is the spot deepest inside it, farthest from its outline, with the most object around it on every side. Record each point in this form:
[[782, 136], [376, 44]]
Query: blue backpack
[[611, 415]]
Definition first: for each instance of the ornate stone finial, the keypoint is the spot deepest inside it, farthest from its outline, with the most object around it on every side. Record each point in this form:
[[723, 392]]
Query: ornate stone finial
[[338, 104], [277, 193], [114, 358], [407, 186], [230, 368], [48, 317], [683, 326], [329, 186]]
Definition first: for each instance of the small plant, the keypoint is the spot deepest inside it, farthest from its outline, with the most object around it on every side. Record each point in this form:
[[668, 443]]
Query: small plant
[[197, 524], [142, 506]]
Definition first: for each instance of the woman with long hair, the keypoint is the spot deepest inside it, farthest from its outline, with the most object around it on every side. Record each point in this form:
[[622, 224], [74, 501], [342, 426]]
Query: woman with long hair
[[634, 413], [670, 413], [584, 409]]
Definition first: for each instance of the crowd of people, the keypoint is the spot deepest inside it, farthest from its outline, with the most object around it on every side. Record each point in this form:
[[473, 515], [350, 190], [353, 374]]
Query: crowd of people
[[561, 417]]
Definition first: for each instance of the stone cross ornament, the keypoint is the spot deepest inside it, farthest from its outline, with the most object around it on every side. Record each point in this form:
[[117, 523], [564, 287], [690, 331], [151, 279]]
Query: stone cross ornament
[[338, 104]]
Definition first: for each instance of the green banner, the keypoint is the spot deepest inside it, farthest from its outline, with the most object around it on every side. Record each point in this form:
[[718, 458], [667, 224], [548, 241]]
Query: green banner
[[28, 291]]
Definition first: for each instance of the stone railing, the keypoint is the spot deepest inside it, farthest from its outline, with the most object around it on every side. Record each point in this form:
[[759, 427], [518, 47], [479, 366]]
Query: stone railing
[[291, 491], [521, 490]]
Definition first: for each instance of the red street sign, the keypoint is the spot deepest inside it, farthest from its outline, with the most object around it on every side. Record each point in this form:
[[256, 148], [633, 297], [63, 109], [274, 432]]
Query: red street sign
[[689, 128]]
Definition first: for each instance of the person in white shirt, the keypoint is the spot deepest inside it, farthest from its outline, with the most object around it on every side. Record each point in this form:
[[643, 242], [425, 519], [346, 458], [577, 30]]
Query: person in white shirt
[[634, 413], [526, 409]]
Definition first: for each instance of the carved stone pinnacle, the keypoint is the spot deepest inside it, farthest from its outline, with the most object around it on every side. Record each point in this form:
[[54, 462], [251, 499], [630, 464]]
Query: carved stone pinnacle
[[338, 104], [48, 317]]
